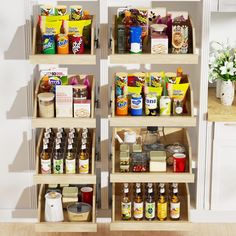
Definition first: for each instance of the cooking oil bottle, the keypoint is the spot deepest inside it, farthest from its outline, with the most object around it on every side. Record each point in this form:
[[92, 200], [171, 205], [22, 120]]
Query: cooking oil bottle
[[126, 203], [138, 203], [162, 204]]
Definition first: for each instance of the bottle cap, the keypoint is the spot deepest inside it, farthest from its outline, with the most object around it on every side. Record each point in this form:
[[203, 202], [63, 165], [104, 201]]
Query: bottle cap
[[162, 190], [150, 190], [126, 190], [57, 146], [45, 146], [69, 147], [175, 190], [152, 128]]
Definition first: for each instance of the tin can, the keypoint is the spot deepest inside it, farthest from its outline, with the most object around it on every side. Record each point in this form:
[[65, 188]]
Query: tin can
[[179, 162], [165, 106], [136, 105], [49, 44], [47, 10], [151, 105], [76, 12], [60, 10], [62, 44], [77, 44], [121, 106], [135, 39], [121, 82]]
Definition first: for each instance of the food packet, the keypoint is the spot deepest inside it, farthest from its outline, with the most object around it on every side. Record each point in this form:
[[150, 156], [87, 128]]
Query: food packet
[[136, 79], [155, 79], [154, 90], [178, 91], [75, 27], [134, 90], [50, 27], [54, 18]]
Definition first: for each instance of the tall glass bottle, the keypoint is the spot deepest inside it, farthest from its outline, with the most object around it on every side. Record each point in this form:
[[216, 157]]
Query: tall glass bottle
[[70, 160], [45, 158], [162, 205], [150, 208], [175, 205], [83, 160], [58, 161], [138, 203], [126, 203]]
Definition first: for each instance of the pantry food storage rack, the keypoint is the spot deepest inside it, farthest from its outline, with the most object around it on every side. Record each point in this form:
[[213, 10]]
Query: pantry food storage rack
[[90, 122], [64, 226], [186, 120], [88, 58]]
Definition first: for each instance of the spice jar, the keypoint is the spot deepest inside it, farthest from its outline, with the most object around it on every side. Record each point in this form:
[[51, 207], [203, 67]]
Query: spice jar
[[46, 105], [139, 162], [80, 92]]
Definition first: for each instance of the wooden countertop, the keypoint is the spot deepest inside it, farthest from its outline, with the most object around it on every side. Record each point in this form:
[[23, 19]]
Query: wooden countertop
[[218, 112]]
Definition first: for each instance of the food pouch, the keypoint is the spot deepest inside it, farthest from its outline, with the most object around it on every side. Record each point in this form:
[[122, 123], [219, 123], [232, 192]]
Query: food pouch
[[50, 27], [75, 27], [54, 18], [177, 90]]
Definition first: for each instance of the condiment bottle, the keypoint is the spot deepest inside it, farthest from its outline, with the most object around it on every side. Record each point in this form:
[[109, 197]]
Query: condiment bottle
[[83, 160], [150, 208], [162, 205], [138, 203], [152, 136], [45, 160], [175, 204], [70, 160], [58, 162], [126, 203]]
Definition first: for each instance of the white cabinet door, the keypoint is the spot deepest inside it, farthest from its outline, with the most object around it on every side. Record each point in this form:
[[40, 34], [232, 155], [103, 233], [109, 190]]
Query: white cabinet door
[[223, 190], [227, 5], [214, 5]]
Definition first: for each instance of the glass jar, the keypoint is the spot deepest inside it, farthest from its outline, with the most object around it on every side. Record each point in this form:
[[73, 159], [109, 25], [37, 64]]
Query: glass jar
[[139, 161], [172, 149], [46, 105], [80, 92]]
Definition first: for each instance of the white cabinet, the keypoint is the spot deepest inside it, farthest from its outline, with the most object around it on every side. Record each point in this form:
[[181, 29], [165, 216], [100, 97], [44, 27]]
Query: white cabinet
[[214, 5], [227, 6], [223, 188]]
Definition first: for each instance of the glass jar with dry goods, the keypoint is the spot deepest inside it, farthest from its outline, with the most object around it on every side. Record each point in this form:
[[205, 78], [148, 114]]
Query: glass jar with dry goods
[[46, 105]]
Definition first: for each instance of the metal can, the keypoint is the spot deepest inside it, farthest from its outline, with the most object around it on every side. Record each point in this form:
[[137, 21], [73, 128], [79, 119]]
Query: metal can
[[165, 106], [62, 44], [49, 44], [121, 106], [136, 105], [151, 105], [77, 44], [121, 82], [76, 12], [135, 39], [47, 10]]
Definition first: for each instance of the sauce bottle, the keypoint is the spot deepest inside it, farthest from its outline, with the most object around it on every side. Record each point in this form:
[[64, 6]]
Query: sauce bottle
[[83, 160], [175, 204], [162, 205], [150, 204], [70, 160], [126, 203], [138, 203], [58, 161], [45, 160]]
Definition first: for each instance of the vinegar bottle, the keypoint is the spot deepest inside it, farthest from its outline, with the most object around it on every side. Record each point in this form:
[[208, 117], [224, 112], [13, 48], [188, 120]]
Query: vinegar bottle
[[126, 203], [162, 205], [138, 203]]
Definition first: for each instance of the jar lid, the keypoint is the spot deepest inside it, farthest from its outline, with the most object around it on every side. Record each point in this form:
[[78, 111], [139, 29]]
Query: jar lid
[[79, 207], [53, 195], [46, 97], [158, 27]]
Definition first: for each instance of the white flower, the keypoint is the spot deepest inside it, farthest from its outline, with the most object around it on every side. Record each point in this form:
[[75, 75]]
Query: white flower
[[228, 68]]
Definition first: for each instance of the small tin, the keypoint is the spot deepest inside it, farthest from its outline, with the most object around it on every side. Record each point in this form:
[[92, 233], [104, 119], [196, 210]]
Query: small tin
[[151, 105], [122, 106], [135, 39], [165, 106], [136, 105]]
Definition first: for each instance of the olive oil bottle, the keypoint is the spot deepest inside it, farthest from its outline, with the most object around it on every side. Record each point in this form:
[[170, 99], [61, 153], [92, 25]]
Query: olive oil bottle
[[138, 203], [162, 204], [150, 204], [175, 204], [126, 204]]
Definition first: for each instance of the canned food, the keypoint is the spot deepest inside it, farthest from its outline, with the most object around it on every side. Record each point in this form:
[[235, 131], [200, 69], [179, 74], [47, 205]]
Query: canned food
[[165, 106], [121, 82], [49, 45], [62, 44], [76, 12], [77, 44], [136, 105], [135, 39], [121, 106], [151, 105]]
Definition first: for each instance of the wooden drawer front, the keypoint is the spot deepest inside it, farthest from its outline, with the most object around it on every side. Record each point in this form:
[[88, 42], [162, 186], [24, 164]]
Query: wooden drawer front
[[225, 131], [227, 5]]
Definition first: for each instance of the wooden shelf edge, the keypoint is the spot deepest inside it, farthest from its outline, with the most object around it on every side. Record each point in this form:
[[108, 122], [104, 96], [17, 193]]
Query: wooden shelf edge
[[66, 227], [64, 179], [64, 122], [172, 121], [152, 177], [83, 59], [151, 226]]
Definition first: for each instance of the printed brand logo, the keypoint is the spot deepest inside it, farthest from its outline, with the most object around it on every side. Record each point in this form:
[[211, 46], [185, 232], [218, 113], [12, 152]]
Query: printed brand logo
[[76, 46], [121, 104], [47, 44], [62, 43], [55, 81], [136, 102]]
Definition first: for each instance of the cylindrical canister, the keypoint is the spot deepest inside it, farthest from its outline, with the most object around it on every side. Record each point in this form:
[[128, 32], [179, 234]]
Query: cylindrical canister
[[62, 44], [151, 105], [122, 106], [76, 12], [87, 195], [165, 106], [135, 39], [77, 44], [136, 105], [60, 10], [49, 44], [179, 162], [47, 10], [121, 83]]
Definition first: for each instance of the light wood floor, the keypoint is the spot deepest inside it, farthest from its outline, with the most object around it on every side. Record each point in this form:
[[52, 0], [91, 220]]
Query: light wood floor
[[103, 230]]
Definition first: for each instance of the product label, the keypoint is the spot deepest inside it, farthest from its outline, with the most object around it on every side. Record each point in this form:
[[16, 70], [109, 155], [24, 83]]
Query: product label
[[162, 210], [58, 166], [138, 210], [70, 166], [84, 166], [46, 166], [150, 210], [126, 210], [175, 210]]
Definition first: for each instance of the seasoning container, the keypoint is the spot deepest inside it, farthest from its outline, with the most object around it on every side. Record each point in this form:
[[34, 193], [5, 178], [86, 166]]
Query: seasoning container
[[177, 107], [70, 195], [157, 161], [171, 149], [46, 105], [159, 39], [124, 162], [79, 212], [137, 148], [124, 148], [139, 162]]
